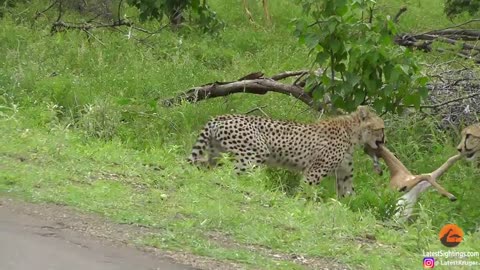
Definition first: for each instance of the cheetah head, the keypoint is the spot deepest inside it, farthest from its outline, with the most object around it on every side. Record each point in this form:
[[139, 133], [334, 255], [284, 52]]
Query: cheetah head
[[372, 127], [469, 146]]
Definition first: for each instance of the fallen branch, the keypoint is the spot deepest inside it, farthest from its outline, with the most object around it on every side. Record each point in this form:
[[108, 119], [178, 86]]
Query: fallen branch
[[434, 106], [287, 74], [457, 25], [450, 35], [258, 85], [258, 109], [464, 45], [39, 13], [59, 25], [399, 13], [445, 91]]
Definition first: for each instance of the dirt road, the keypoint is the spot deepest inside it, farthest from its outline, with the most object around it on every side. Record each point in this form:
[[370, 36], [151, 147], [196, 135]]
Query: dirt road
[[32, 242]]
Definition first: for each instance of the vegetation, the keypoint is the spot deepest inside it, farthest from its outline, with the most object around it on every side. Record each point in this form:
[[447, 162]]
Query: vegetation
[[454, 8], [362, 64], [80, 125], [175, 11]]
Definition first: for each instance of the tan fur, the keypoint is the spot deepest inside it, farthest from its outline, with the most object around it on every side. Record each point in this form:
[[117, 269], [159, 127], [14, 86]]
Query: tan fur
[[469, 146], [401, 178], [317, 150]]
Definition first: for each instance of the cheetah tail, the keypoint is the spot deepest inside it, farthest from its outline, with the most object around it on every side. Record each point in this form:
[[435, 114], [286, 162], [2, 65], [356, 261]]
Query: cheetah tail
[[199, 149]]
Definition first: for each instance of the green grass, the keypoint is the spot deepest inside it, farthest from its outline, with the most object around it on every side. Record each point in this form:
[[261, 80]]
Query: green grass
[[79, 126]]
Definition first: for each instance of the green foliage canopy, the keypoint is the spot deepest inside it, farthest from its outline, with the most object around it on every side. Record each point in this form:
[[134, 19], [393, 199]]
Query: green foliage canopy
[[200, 12], [364, 65], [454, 8]]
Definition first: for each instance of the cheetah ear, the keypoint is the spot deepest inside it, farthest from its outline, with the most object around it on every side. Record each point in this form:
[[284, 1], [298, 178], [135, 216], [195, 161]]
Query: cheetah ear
[[363, 112]]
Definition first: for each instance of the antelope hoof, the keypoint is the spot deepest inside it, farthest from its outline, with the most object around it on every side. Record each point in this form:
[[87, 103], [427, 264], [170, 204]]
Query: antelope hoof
[[452, 198]]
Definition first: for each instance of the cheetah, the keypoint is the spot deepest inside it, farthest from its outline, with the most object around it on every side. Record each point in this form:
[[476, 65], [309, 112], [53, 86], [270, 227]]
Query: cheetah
[[469, 146], [316, 150]]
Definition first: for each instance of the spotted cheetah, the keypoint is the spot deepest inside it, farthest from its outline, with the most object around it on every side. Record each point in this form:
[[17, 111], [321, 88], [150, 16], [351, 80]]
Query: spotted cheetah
[[317, 150], [469, 146]]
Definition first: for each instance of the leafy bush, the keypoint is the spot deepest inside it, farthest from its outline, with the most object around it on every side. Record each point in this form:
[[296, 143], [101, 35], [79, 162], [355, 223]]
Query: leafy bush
[[174, 10], [6, 4], [454, 8], [364, 65]]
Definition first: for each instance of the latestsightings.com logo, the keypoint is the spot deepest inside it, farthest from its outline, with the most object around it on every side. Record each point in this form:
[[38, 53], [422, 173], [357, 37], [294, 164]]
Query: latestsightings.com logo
[[428, 262]]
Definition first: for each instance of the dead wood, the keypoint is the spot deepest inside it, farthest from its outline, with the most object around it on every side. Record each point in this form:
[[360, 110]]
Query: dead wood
[[454, 96], [399, 13], [59, 25], [457, 39], [253, 83], [86, 26]]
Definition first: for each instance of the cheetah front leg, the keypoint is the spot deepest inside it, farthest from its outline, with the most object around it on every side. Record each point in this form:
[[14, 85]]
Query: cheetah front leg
[[315, 174], [344, 177]]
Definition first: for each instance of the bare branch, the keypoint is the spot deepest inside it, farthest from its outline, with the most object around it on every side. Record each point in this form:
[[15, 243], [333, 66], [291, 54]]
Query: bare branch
[[256, 86], [38, 13], [60, 10], [258, 109], [119, 9], [93, 36], [287, 74], [61, 25], [455, 26], [434, 106], [399, 13], [449, 35]]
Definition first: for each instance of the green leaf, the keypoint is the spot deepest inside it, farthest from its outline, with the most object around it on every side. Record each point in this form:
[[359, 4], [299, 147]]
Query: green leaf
[[422, 81], [318, 93], [310, 83], [331, 25], [413, 99], [405, 69], [388, 90], [352, 78], [335, 44], [359, 97], [378, 105], [341, 10], [322, 57], [370, 66], [423, 92], [340, 67], [312, 40]]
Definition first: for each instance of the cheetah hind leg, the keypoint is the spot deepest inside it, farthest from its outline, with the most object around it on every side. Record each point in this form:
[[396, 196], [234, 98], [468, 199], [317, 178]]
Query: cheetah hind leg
[[249, 160], [214, 156], [344, 177]]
